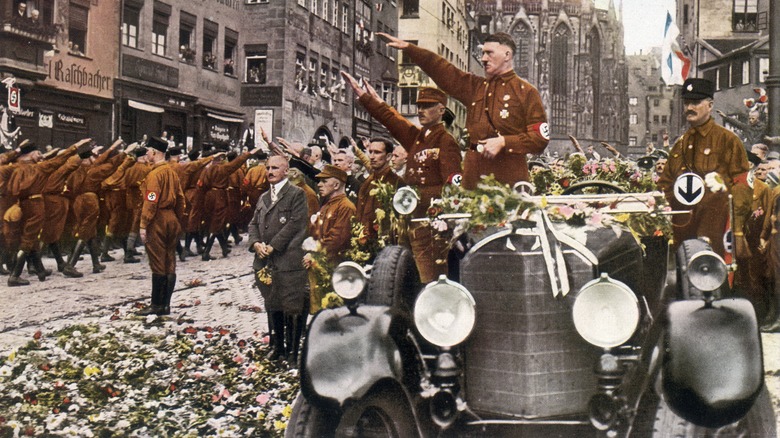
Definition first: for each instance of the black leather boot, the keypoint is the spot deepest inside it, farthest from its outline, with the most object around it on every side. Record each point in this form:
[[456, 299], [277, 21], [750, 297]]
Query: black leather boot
[[276, 324], [207, 249], [158, 291], [70, 267], [15, 278], [296, 325], [107, 244], [39, 268], [223, 245], [129, 257], [94, 253], [54, 248], [170, 285], [199, 245], [187, 242], [180, 251]]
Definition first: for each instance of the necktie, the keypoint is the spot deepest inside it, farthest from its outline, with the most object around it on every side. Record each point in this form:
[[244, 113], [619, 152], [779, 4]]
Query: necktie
[[273, 194]]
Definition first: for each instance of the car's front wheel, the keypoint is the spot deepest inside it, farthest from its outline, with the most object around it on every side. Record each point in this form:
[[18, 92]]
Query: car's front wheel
[[379, 414], [759, 422], [309, 421]]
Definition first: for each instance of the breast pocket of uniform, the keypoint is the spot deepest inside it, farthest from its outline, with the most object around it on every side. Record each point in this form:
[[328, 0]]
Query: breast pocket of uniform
[[284, 216]]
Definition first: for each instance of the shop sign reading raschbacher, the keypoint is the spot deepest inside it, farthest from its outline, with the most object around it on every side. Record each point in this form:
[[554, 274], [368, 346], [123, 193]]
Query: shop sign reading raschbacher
[[79, 77]]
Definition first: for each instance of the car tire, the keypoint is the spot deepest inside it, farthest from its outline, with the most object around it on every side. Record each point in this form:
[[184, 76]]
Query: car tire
[[759, 422], [309, 421], [379, 414], [394, 280]]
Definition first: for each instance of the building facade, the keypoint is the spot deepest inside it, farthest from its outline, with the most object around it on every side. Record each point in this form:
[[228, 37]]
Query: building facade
[[651, 104], [446, 32], [62, 56], [728, 43], [573, 53]]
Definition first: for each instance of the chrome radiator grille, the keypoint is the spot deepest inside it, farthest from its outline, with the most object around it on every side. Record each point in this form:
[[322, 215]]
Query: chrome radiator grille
[[524, 357]]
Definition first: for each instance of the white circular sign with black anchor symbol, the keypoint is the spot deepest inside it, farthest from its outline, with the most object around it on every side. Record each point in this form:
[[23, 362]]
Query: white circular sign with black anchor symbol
[[689, 188]]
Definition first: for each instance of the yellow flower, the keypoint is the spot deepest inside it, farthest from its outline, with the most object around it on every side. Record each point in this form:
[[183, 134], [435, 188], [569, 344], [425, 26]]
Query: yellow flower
[[380, 214], [280, 425], [622, 217], [543, 202], [12, 356], [90, 371], [287, 411]]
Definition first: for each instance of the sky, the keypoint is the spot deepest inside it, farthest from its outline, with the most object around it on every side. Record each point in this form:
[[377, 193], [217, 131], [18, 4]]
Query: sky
[[643, 21]]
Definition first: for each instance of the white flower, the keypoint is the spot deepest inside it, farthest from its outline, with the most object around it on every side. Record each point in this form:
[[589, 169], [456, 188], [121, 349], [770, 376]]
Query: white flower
[[5, 371], [309, 244], [150, 318], [714, 182]]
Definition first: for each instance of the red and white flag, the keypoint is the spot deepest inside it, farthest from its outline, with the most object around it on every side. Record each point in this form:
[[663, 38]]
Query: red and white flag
[[674, 65]]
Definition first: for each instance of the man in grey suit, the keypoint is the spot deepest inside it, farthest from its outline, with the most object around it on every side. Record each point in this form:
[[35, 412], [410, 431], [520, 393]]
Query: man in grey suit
[[276, 232]]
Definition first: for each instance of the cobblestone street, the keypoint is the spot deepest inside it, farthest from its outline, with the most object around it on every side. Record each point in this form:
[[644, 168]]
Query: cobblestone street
[[225, 298]]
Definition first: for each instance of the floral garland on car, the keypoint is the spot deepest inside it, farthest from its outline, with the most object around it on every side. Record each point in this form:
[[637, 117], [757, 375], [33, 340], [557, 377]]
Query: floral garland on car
[[153, 377], [576, 169]]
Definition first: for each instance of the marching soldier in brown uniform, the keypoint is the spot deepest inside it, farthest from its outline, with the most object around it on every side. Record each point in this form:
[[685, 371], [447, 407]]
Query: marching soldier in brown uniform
[[134, 177], [235, 199], [57, 207], [433, 159], [7, 167], [26, 184], [380, 151], [163, 206], [505, 120], [706, 148], [189, 173], [84, 183], [331, 226], [115, 197], [214, 180]]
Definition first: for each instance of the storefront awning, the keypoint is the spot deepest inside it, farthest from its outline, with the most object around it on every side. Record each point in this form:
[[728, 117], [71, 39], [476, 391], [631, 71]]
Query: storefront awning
[[145, 106], [225, 118]]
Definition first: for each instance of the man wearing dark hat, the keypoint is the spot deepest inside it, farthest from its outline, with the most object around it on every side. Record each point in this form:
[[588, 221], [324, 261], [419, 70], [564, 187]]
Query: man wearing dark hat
[[433, 159], [26, 184], [331, 226], [114, 190], [160, 226], [505, 120], [707, 149], [84, 185], [277, 230], [7, 247]]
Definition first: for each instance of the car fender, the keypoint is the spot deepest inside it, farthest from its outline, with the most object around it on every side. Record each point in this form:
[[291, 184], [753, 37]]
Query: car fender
[[712, 366], [345, 354]]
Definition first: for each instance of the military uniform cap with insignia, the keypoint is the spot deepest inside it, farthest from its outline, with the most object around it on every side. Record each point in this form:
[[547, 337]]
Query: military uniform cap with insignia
[[697, 89]]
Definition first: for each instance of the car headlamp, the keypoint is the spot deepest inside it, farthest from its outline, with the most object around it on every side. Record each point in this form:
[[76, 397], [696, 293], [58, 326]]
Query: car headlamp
[[707, 271], [605, 312], [348, 280], [444, 312]]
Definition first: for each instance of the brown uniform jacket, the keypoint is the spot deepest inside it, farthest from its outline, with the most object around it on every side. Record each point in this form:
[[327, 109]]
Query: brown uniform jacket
[[505, 105], [255, 183], [710, 148], [367, 204], [162, 191], [29, 178], [433, 154], [55, 184], [332, 226]]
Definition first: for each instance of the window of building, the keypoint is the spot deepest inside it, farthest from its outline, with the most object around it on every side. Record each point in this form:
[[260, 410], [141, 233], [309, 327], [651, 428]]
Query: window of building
[[745, 72], [410, 8], [633, 101], [186, 32], [632, 119], [559, 85], [229, 53], [313, 7], [656, 102], [685, 14], [409, 100], [256, 67], [632, 141], [345, 17], [160, 19], [45, 10], [254, 2], [131, 18], [301, 79], [763, 69], [724, 77], [324, 78], [312, 85], [210, 32], [655, 118], [326, 10], [711, 75], [78, 20], [664, 119], [652, 88], [654, 138], [302, 3], [744, 16]]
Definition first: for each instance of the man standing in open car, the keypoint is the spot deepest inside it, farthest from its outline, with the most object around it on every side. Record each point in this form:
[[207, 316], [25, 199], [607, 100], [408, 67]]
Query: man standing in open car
[[505, 120]]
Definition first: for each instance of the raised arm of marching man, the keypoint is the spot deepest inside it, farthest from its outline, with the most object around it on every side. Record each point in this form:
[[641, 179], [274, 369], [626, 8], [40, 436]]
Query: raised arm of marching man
[[505, 119]]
